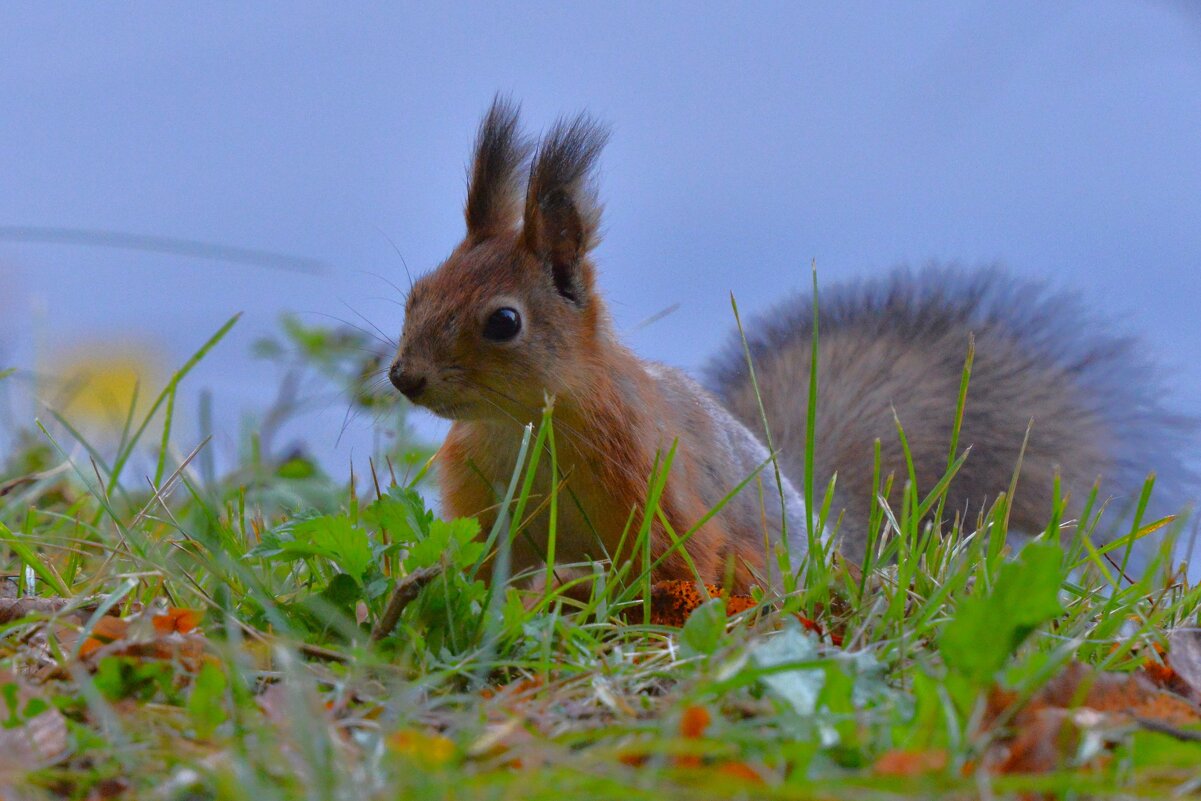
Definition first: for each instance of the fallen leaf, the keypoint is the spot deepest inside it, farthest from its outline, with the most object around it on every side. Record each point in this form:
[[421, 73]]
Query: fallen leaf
[[1123, 694], [901, 762], [799, 686], [740, 771], [1046, 740], [1184, 656], [694, 722], [38, 737], [499, 739], [14, 609], [1046, 732], [177, 620], [431, 749], [107, 630]]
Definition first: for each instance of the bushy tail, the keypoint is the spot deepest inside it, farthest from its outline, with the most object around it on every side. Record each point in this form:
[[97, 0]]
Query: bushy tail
[[900, 343]]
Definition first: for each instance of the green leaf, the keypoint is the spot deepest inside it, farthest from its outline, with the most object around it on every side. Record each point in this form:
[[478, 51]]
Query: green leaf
[[988, 629], [456, 540], [337, 539], [401, 513], [298, 467], [120, 677], [10, 690], [783, 660], [342, 592], [205, 703], [837, 698], [705, 628]]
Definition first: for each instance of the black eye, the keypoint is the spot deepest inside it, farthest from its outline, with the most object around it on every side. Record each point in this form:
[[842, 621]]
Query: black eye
[[502, 325]]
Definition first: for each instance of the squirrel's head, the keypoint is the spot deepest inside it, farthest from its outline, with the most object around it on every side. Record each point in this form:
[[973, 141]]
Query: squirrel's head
[[512, 313]]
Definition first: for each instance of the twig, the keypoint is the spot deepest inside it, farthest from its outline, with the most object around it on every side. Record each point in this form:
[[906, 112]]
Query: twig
[[1158, 726], [406, 590], [14, 609]]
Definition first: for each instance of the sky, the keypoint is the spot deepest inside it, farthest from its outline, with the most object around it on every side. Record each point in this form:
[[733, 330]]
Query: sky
[[1060, 140]]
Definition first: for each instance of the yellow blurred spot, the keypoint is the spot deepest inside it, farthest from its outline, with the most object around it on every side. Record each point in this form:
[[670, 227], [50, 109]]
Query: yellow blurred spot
[[98, 385], [433, 749]]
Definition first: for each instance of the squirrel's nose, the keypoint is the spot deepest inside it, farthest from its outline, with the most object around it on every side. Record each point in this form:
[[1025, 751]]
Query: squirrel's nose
[[410, 385]]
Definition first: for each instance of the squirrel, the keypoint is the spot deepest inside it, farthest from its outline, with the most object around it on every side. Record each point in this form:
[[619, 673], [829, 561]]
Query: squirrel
[[513, 317]]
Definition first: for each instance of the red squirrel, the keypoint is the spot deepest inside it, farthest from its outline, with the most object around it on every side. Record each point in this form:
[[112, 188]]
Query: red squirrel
[[513, 316]]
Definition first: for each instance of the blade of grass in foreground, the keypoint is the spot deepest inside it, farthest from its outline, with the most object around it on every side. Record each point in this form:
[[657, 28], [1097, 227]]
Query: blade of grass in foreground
[[771, 448], [123, 457], [30, 558]]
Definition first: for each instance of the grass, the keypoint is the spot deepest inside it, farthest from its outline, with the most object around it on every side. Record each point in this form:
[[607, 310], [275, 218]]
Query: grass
[[290, 688]]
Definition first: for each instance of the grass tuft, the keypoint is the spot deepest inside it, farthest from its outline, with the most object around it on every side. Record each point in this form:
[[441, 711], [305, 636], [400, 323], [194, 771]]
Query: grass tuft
[[276, 633]]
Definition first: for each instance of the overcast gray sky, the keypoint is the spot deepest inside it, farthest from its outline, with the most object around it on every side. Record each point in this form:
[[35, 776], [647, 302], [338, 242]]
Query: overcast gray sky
[[1061, 139]]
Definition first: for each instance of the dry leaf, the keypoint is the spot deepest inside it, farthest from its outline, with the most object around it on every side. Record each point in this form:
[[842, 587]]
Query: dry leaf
[[900, 762], [107, 630], [177, 620], [741, 771], [425, 747], [694, 722], [1046, 731], [38, 740], [1184, 656]]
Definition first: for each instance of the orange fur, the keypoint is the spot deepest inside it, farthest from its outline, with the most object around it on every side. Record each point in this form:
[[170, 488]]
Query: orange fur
[[613, 418], [513, 317]]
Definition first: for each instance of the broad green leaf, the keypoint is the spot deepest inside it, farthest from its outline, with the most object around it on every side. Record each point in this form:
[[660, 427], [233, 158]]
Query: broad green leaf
[[799, 686], [455, 539], [988, 629], [705, 627], [205, 703], [336, 538]]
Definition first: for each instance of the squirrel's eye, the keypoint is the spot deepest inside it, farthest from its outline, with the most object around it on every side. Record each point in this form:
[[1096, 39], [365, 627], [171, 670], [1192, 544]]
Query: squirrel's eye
[[502, 325]]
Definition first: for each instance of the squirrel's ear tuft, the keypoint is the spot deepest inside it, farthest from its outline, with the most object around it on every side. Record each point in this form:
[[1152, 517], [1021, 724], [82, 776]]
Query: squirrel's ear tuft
[[562, 213], [494, 189]]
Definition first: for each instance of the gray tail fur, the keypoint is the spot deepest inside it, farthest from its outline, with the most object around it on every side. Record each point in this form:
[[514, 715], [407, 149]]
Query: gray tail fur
[[1091, 399]]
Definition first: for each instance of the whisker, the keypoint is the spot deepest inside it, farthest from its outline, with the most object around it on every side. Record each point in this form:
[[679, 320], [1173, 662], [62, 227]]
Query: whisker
[[403, 263], [359, 328], [386, 338], [393, 301]]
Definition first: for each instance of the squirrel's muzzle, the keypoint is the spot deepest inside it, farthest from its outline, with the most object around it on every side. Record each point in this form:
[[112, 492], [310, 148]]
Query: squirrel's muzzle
[[409, 384]]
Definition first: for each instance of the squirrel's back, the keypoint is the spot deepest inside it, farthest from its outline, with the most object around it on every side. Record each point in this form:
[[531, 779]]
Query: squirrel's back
[[900, 343]]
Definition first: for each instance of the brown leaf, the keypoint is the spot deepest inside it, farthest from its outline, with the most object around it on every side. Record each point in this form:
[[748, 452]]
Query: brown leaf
[[105, 789], [740, 771], [1045, 732], [901, 762], [694, 722], [1123, 694], [177, 620], [1184, 655], [107, 630], [14, 609], [1046, 739], [37, 741]]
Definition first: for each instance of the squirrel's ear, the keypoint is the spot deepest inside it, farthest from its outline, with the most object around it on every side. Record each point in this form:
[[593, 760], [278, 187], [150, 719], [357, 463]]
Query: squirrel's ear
[[562, 214], [494, 189]]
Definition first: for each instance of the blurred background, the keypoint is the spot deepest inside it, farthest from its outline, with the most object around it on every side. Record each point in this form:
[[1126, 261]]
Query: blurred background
[[296, 156]]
